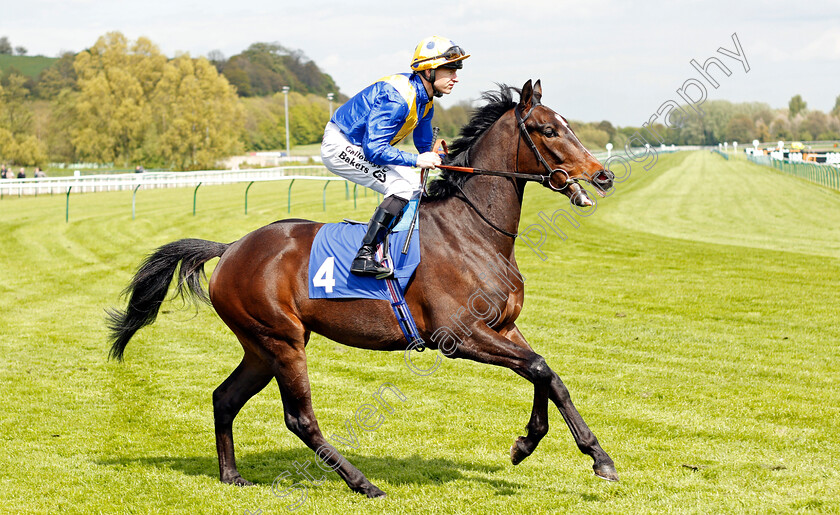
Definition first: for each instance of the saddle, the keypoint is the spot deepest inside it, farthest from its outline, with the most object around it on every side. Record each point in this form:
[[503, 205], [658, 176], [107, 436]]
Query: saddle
[[334, 248]]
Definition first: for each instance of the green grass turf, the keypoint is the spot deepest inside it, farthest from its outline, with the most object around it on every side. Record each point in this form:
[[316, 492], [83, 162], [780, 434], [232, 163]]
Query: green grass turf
[[28, 65], [693, 316]]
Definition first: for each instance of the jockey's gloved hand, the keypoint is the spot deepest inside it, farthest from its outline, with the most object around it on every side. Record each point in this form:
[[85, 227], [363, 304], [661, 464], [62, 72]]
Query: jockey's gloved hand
[[428, 160]]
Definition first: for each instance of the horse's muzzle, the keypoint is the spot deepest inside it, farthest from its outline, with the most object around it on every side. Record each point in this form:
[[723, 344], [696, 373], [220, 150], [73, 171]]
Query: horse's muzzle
[[602, 180]]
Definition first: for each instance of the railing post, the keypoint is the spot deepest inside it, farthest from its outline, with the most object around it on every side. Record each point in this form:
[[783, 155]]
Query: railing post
[[324, 195], [133, 197], [195, 194], [289, 199], [67, 206], [354, 195]]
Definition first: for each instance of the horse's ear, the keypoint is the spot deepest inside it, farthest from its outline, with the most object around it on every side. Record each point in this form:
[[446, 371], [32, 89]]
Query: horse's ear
[[537, 92], [525, 95]]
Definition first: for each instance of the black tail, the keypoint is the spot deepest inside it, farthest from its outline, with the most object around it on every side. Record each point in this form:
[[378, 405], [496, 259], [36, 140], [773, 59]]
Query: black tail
[[147, 290]]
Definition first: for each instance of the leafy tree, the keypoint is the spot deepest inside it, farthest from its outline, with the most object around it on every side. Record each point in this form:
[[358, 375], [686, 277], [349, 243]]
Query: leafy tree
[[16, 146], [197, 113], [20, 149], [112, 109], [836, 110], [692, 130], [135, 105], [264, 127], [238, 78], [762, 131], [61, 126], [5, 46], [29, 151], [307, 118], [265, 68], [740, 128], [589, 135], [607, 127], [217, 59], [8, 145], [796, 106], [6, 138], [815, 123], [20, 50], [780, 129], [17, 116], [451, 120], [59, 76]]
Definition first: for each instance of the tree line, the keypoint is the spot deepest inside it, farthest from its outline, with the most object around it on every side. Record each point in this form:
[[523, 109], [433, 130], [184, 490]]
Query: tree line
[[724, 121], [125, 103]]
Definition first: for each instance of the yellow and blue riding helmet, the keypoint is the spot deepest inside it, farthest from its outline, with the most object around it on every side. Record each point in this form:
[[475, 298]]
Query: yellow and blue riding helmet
[[437, 52]]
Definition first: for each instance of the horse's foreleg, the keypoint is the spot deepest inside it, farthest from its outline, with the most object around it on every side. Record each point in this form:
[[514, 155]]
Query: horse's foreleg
[[293, 380], [488, 346], [537, 426], [585, 439], [246, 381]]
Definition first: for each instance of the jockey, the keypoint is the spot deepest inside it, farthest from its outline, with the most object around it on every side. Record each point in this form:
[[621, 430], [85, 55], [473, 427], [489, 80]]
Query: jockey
[[359, 139]]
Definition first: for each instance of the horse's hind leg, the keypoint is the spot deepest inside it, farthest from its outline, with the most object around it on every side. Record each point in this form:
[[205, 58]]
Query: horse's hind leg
[[247, 380], [293, 380]]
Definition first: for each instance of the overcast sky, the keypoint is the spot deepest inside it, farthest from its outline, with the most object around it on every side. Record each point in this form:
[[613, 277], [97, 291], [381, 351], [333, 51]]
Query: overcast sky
[[598, 59]]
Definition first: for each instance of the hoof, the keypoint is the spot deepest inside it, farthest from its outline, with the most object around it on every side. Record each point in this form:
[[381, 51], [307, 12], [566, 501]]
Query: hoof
[[518, 452], [372, 491], [238, 481], [606, 472]]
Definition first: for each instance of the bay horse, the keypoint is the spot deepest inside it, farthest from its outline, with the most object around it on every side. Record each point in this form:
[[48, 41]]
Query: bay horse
[[259, 287]]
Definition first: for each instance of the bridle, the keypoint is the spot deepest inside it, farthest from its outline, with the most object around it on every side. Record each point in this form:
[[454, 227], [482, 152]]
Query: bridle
[[544, 178], [602, 179]]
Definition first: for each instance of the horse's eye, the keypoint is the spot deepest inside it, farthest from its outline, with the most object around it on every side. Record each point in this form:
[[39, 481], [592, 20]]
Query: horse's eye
[[549, 132]]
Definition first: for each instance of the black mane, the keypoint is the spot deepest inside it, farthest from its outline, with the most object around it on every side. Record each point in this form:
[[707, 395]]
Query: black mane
[[496, 104]]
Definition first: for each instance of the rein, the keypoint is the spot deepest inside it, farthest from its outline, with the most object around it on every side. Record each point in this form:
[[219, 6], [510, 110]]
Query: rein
[[491, 224]]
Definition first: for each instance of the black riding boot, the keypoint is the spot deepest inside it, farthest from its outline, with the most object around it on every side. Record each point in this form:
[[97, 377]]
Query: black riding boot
[[386, 216]]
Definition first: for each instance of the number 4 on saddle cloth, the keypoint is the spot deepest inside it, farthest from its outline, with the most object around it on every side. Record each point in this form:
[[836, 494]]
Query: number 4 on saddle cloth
[[333, 250]]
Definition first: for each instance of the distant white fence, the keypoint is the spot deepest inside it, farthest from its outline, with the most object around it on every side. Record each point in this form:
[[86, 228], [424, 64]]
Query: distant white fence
[[152, 180]]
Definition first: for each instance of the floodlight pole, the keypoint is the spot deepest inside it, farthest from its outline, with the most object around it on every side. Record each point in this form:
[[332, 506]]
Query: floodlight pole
[[286, 94]]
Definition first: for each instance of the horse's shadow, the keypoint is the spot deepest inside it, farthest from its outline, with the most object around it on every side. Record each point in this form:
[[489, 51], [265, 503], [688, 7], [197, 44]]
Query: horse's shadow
[[263, 468]]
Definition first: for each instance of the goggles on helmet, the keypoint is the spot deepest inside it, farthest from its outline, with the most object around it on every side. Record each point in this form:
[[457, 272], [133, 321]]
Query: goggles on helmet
[[453, 52]]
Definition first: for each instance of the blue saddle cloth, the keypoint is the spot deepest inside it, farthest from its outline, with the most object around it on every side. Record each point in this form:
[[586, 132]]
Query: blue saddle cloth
[[334, 248]]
